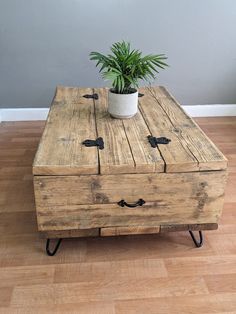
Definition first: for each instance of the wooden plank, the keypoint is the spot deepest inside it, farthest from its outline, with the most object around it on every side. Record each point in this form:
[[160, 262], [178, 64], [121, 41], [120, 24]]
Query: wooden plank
[[187, 227], [26, 275], [5, 296], [117, 231], [117, 155], [222, 282], [104, 307], [74, 233], [103, 290], [107, 215], [176, 154], [201, 265], [110, 270], [207, 154], [85, 202], [206, 303], [95, 189], [145, 157], [70, 121]]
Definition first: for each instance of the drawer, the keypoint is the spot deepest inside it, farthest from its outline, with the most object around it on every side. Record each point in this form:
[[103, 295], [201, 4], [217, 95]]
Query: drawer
[[85, 202], [117, 231]]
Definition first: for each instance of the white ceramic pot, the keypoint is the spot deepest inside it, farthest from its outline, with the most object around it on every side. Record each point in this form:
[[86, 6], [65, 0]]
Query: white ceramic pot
[[122, 106]]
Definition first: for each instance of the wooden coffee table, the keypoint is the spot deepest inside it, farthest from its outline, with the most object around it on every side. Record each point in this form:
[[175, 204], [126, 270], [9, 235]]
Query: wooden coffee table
[[99, 176]]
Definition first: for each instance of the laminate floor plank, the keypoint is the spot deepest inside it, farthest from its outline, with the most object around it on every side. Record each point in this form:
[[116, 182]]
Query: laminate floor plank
[[204, 304], [71, 308], [106, 290], [221, 283], [114, 270]]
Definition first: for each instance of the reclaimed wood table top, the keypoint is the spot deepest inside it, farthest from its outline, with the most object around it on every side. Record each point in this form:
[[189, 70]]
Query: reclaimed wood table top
[[74, 118]]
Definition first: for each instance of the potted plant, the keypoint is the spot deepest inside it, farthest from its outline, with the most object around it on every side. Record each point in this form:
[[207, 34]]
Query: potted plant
[[125, 68]]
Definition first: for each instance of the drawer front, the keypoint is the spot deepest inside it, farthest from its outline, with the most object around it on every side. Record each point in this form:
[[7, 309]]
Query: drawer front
[[85, 202], [117, 231]]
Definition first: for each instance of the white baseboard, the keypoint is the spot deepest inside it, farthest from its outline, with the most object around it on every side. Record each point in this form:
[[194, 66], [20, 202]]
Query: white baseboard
[[26, 114], [23, 114], [211, 110]]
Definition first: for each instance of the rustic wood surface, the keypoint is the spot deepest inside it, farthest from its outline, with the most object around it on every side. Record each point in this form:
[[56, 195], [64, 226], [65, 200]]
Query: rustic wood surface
[[126, 146], [61, 150], [127, 168], [207, 155], [190, 149], [161, 273], [116, 231], [93, 232], [186, 227], [176, 154], [117, 155], [127, 149], [175, 198]]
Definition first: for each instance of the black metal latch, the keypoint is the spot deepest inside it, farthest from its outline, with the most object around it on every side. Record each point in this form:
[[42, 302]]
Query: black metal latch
[[154, 141], [98, 142], [94, 96]]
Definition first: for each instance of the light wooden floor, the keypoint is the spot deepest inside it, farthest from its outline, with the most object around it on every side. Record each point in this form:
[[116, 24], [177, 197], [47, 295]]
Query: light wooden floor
[[144, 274]]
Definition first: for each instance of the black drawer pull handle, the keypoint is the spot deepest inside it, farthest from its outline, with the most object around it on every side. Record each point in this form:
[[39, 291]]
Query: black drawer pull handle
[[123, 203]]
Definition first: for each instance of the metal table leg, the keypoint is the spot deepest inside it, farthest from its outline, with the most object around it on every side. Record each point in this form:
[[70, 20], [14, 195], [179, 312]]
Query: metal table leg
[[196, 242], [51, 253]]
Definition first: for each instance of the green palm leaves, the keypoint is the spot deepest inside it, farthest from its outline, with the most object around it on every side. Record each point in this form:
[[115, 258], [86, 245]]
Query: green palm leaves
[[125, 67]]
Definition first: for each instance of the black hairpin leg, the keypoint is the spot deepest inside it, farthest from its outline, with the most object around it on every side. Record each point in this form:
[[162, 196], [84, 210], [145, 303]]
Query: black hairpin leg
[[196, 242], [51, 253]]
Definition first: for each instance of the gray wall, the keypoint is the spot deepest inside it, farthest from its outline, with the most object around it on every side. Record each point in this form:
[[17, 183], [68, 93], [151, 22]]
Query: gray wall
[[44, 43]]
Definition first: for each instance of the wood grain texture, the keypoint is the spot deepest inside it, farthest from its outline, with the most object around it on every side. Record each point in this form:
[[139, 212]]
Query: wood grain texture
[[88, 307], [146, 158], [70, 122], [73, 118], [71, 233], [108, 290], [176, 154], [26, 275], [205, 303], [117, 156], [190, 149], [127, 149], [187, 227], [96, 189], [201, 265], [133, 264], [106, 232], [64, 203], [208, 156], [222, 282], [67, 273]]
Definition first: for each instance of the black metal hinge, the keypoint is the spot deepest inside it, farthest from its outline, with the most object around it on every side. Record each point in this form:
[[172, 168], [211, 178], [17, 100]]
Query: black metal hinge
[[94, 96], [154, 141], [98, 142]]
